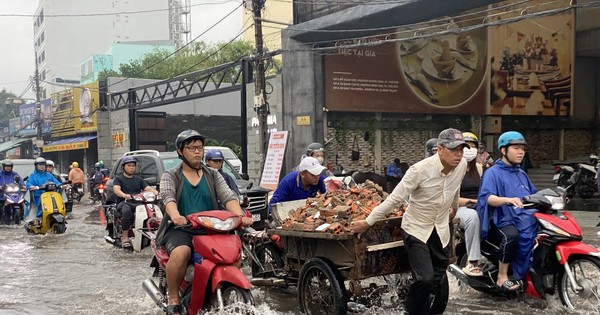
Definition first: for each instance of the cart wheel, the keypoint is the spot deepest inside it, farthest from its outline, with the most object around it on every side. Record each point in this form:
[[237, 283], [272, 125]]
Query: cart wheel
[[321, 289], [270, 258], [440, 296]]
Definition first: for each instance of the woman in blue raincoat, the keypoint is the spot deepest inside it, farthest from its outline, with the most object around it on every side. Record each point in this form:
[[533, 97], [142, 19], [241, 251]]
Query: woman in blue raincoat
[[36, 179], [499, 201]]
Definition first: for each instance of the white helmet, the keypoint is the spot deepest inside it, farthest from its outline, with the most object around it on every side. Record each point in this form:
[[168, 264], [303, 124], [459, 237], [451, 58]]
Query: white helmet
[[49, 163]]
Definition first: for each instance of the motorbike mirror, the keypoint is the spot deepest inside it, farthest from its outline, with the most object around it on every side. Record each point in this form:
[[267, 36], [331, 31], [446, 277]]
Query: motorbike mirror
[[245, 176], [17, 179], [151, 181], [25, 178]]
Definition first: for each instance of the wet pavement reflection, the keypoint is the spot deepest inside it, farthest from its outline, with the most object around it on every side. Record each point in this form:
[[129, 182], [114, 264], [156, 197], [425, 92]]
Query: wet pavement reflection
[[79, 273]]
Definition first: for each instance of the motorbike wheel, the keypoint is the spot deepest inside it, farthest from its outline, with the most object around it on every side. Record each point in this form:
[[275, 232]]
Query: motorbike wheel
[[59, 228], [233, 296], [270, 259], [586, 271], [586, 189], [321, 289]]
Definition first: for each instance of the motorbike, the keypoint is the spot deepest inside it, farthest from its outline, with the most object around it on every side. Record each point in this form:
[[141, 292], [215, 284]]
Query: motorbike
[[562, 263], [584, 178], [562, 176], [99, 193], [147, 219], [53, 210], [213, 280], [77, 191], [14, 204]]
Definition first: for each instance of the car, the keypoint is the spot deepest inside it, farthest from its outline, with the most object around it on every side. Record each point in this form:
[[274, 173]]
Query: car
[[230, 156], [24, 167], [151, 164]]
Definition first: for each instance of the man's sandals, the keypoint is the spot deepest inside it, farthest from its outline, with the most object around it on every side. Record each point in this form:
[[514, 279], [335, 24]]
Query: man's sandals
[[173, 310]]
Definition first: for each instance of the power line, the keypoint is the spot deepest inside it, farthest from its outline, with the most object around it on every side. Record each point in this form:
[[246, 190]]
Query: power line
[[111, 13]]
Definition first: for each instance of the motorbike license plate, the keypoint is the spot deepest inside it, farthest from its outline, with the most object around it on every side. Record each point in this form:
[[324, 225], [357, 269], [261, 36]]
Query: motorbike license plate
[[101, 190], [556, 177], [256, 217]]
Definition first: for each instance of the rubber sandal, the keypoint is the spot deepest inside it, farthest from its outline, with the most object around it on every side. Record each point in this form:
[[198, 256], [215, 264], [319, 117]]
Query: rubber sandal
[[511, 286], [472, 270], [173, 310], [127, 245]]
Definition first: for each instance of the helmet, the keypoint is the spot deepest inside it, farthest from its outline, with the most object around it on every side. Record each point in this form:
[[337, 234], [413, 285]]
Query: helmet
[[470, 137], [39, 160], [315, 146], [429, 146], [97, 165], [186, 136], [101, 163], [50, 162], [510, 138], [75, 164], [213, 154], [7, 163], [128, 159]]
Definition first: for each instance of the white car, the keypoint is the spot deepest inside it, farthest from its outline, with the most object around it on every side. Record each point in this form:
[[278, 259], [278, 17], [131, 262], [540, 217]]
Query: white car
[[229, 156]]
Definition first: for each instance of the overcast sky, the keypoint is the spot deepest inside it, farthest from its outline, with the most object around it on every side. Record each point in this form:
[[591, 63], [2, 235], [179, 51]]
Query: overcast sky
[[16, 36]]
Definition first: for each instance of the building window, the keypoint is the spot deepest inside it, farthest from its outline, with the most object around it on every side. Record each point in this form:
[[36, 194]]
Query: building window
[[90, 66], [83, 70]]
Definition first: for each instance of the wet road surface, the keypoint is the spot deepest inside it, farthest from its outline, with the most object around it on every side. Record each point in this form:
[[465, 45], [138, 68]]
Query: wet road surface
[[79, 273]]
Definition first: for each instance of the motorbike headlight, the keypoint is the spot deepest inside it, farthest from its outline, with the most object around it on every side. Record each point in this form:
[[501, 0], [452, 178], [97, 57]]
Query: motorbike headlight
[[549, 226], [218, 224], [12, 189], [149, 196], [558, 203]]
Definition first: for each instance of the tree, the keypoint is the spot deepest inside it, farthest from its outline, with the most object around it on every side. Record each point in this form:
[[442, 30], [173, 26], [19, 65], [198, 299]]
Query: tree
[[200, 55], [7, 108]]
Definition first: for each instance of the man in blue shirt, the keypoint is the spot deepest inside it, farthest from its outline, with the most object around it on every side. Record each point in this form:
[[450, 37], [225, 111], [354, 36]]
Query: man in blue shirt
[[301, 184], [393, 174]]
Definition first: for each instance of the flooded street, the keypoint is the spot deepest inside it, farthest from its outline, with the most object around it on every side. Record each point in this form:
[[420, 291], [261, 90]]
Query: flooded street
[[79, 273]]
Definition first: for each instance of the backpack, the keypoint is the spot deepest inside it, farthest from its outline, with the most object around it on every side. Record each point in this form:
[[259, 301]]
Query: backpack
[[98, 177]]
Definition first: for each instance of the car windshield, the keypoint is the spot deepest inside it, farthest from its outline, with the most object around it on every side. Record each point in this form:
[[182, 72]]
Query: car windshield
[[228, 154], [227, 168], [169, 163]]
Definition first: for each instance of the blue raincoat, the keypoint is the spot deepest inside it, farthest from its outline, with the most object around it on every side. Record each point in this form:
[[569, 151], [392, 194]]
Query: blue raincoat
[[38, 178], [504, 180], [7, 179]]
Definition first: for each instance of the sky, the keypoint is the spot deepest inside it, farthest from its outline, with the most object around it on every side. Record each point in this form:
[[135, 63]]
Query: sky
[[16, 36]]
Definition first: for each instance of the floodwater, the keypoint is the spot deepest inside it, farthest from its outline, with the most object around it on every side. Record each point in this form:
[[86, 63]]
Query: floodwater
[[79, 273]]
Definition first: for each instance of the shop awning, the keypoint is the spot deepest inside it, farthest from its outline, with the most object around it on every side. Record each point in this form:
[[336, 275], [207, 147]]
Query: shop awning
[[75, 143], [5, 146]]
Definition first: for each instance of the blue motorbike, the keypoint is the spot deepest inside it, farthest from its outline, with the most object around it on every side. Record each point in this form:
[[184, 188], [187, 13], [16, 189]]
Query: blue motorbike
[[14, 203]]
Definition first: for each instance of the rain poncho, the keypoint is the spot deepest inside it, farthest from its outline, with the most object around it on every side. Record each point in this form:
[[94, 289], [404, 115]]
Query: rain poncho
[[503, 180], [38, 178], [7, 179]]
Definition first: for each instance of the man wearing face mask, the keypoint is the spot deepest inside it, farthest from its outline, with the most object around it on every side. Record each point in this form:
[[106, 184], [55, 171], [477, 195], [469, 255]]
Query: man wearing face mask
[[317, 151], [469, 220]]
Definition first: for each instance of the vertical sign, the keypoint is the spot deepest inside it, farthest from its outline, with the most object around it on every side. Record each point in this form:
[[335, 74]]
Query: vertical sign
[[28, 115], [274, 160]]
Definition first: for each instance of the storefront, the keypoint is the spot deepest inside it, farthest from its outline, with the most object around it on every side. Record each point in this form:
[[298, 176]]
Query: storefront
[[81, 149]]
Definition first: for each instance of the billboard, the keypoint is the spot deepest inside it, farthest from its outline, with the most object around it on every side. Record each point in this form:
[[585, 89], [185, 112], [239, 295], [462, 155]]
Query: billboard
[[519, 68], [46, 109], [27, 123], [86, 103]]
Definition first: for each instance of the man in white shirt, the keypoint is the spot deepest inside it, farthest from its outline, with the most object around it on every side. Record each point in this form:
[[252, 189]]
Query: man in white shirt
[[433, 186]]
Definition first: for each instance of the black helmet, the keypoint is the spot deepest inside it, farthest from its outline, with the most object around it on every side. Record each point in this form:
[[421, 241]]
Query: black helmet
[[315, 146], [128, 159], [186, 136], [39, 160], [429, 146], [7, 163]]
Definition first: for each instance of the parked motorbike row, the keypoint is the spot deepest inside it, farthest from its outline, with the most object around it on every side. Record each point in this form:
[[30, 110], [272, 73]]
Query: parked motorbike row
[[578, 178]]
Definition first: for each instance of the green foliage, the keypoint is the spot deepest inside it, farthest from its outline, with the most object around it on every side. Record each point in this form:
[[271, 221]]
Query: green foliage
[[7, 109], [195, 57], [224, 143]]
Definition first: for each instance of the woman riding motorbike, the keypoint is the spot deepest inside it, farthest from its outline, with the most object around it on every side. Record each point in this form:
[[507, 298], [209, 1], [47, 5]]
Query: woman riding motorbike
[[36, 179]]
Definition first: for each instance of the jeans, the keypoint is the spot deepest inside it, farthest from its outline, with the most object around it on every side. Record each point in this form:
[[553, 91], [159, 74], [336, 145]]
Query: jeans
[[469, 221]]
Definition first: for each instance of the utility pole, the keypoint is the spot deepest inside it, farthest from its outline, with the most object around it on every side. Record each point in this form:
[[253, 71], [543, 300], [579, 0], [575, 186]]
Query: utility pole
[[38, 104], [261, 106]]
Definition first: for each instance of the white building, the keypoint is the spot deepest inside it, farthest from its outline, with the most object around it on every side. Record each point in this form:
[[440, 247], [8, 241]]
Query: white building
[[68, 31]]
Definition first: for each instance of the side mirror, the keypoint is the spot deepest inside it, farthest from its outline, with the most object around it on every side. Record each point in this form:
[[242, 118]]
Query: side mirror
[[17, 179], [25, 178], [245, 176]]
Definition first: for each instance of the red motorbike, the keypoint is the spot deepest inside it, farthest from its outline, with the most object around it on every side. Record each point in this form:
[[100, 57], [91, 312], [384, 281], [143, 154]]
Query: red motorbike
[[213, 281], [562, 263]]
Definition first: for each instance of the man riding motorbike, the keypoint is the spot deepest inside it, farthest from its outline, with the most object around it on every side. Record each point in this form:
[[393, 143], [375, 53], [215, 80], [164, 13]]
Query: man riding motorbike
[[189, 188], [76, 176], [7, 177], [126, 185], [96, 179], [38, 178], [502, 213]]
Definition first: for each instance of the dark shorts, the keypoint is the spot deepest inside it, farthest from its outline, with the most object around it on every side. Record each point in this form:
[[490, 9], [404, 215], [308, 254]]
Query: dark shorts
[[174, 238]]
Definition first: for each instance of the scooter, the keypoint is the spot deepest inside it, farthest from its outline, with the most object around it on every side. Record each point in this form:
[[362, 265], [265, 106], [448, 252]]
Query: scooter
[[99, 193], [53, 211], [147, 221], [584, 178], [14, 204], [77, 191], [562, 263], [213, 280]]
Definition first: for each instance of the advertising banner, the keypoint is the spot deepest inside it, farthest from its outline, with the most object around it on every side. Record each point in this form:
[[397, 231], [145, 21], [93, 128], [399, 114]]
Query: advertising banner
[[519, 68], [531, 66], [62, 114], [274, 160], [86, 103], [66, 147], [28, 115], [13, 126], [46, 108]]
